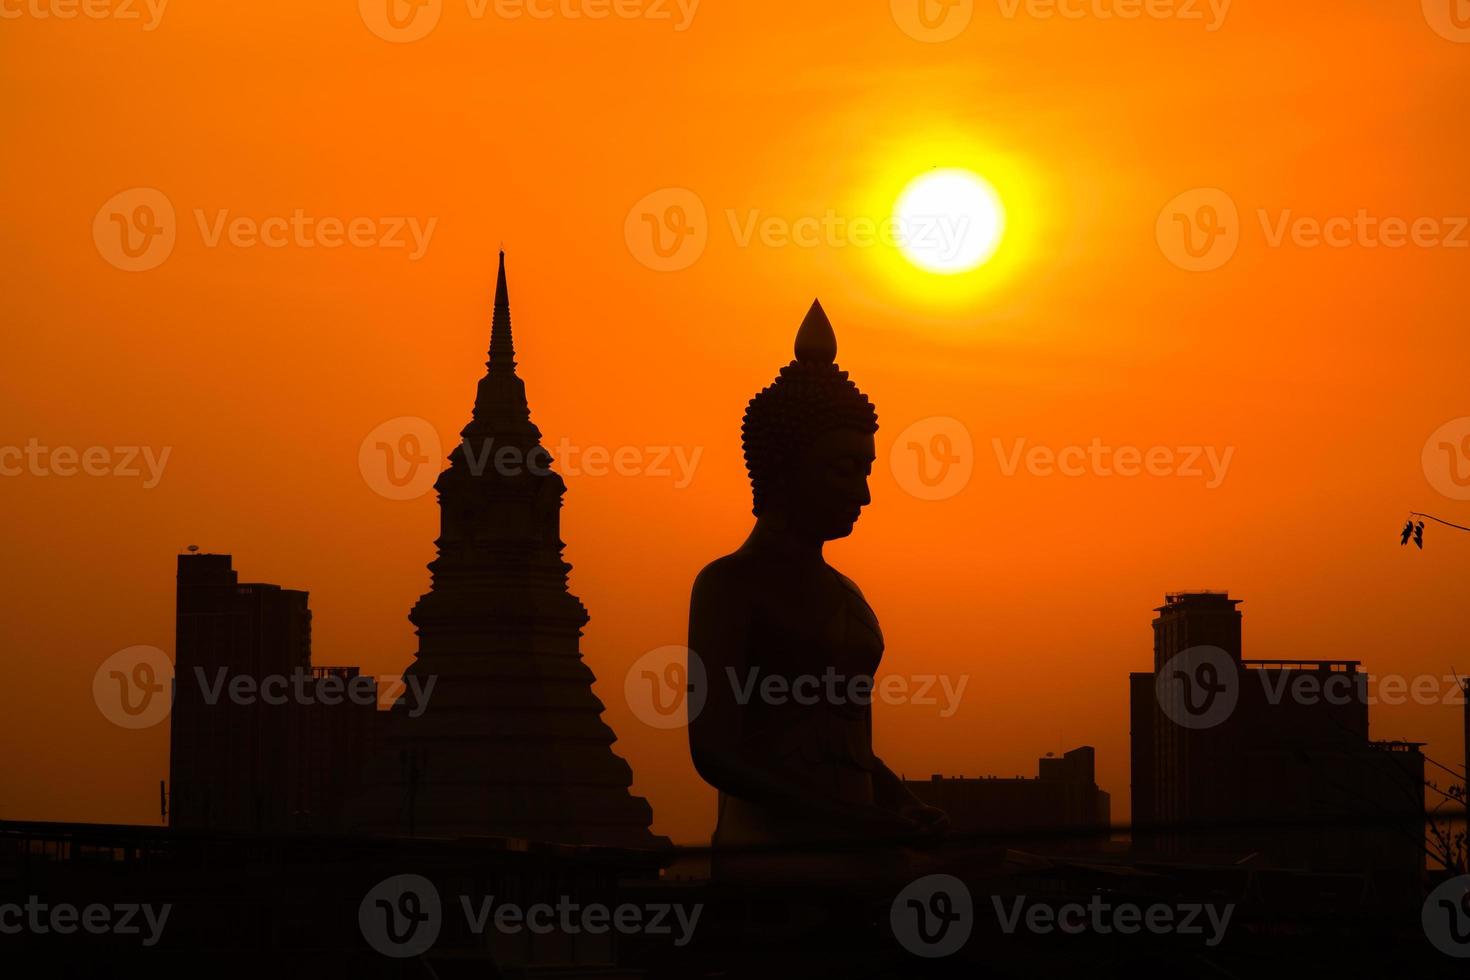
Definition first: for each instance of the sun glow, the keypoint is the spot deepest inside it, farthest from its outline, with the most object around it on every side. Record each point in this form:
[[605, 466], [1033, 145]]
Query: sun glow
[[949, 221], [964, 217]]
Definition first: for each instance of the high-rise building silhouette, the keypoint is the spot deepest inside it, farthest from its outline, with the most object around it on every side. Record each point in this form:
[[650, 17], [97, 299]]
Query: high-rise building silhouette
[[1195, 619], [1239, 759], [510, 741], [277, 752]]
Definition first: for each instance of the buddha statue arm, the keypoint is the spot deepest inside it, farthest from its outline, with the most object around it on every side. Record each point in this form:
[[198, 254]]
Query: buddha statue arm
[[890, 793], [719, 630]]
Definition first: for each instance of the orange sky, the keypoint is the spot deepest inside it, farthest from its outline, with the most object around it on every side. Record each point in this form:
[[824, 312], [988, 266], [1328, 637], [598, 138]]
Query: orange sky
[[1324, 369]]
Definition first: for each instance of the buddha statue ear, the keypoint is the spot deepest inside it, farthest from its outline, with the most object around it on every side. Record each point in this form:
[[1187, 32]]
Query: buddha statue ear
[[816, 343]]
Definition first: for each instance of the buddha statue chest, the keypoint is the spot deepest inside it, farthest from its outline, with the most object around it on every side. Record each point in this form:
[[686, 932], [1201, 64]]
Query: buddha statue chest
[[806, 688]]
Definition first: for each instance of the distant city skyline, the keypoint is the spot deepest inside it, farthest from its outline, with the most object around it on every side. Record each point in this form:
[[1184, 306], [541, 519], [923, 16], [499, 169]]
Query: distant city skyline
[[222, 396]]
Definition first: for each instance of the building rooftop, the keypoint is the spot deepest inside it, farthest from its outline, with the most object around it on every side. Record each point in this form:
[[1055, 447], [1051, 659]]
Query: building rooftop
[[1201, 597]]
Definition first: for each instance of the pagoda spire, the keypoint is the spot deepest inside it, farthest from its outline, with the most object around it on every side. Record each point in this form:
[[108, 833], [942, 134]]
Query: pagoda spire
[[502, 347], [500, 402]]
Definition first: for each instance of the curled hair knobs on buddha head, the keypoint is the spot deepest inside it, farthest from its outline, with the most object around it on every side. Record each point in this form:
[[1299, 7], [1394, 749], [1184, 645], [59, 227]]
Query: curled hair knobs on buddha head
[[810, 396]]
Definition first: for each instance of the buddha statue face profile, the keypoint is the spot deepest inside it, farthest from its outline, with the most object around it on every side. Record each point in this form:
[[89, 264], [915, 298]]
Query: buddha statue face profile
[[809, 441]]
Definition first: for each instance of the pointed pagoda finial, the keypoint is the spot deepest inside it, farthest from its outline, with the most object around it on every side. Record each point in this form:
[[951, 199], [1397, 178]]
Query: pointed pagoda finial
[[815, 341], [502, 349]]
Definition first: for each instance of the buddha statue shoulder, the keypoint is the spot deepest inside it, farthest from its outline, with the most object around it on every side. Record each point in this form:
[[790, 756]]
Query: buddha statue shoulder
[[788, 645]]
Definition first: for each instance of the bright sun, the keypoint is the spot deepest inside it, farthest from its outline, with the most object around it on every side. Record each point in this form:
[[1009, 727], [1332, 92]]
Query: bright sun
[[949, 221]]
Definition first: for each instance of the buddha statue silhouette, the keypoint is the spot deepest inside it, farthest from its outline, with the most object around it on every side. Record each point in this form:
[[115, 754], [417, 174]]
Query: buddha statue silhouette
[[789, 646]]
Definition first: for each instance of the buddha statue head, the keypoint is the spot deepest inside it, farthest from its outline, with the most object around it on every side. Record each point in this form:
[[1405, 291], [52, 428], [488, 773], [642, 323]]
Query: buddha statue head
[[808, 440]]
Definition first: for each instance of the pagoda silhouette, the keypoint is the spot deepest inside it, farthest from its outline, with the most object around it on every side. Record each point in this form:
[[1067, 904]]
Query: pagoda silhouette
[[510, 741]]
